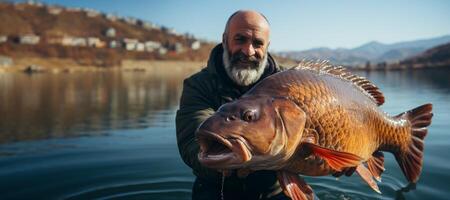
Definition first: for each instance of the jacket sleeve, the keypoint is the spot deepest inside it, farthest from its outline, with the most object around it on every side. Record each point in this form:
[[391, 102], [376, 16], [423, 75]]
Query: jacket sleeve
[[196, 105]]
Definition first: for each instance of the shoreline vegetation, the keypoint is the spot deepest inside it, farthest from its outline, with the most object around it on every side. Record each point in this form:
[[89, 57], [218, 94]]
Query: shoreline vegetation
[[67, 65], [64, 65]]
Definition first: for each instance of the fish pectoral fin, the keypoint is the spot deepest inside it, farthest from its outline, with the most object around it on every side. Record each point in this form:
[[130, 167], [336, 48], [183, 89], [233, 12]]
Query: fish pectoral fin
[[337, 160], [294, 186], [367, 176], [376, 165]]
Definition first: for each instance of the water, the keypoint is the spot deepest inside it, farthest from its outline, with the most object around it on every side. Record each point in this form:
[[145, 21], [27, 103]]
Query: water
[[111, 135]]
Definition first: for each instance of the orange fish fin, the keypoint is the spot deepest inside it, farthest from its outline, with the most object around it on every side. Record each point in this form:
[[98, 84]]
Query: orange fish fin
[[410, 161], [335, 159], [376, 165], [294, 186], [362, 83], [367, 176]]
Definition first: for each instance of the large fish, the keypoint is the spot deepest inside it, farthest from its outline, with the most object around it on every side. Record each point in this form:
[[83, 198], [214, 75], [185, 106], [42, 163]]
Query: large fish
[[315, 119]]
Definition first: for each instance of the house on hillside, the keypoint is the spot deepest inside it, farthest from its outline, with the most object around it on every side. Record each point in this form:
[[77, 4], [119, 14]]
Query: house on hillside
[[74, 41], [34, 3], [162, 51], [110, 32], [178, 47], [171, 31], [3, 38], [111, 17], [91, 12], [95, 42], [130, 44], [54, 10], [148, 25], [130, 20], [151, 46], [76, 9], [195, 45], [29, 39], [140, 46]]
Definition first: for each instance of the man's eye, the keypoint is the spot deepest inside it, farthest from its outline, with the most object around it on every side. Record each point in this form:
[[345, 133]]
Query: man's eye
[[258, 44], [240, 40]]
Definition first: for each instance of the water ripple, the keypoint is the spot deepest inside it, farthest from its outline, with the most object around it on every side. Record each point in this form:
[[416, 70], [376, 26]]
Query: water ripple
[[162, 188]]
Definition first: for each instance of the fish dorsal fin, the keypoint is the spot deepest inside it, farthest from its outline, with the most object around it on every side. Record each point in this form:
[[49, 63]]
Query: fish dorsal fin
[[338, 71]]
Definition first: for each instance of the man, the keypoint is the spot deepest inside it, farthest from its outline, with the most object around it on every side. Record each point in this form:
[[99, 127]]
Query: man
[[233, 68]]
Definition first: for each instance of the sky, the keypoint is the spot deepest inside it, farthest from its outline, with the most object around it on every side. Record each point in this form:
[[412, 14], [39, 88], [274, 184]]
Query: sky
[[295, 25]]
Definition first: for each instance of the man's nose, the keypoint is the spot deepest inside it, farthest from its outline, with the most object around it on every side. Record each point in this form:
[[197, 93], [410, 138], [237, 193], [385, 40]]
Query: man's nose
[[248, 50]]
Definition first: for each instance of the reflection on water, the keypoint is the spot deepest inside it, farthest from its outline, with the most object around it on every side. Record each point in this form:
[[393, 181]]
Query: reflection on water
[[60, 105], [131, 152]]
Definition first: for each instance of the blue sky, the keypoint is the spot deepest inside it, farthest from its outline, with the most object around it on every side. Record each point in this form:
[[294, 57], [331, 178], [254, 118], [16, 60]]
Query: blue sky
[[296, 25]]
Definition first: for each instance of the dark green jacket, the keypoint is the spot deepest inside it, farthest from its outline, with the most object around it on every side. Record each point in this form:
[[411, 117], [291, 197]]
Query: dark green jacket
[[203, 93]]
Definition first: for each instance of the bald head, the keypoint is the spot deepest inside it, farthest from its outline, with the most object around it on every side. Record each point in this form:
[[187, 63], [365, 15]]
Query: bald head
[[245, 42], [250, 17]]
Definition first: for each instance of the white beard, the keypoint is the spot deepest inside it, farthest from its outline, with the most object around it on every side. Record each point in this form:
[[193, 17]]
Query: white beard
[[242, 77]]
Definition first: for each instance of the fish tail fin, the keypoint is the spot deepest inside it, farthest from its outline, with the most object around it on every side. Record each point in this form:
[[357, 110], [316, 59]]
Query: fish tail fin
[[410, 159]]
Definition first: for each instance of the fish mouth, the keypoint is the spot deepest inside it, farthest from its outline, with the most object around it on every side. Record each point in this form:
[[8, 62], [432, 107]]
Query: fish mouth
[[222, 153]]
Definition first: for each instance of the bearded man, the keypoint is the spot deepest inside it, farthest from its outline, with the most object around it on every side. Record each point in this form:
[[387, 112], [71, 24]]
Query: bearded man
[[234, 66]]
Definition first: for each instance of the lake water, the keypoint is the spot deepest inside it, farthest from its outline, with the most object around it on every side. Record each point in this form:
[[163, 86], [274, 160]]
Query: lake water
[[111, 135]]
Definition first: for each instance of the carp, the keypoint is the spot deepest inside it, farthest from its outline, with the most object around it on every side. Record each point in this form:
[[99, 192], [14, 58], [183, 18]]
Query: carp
[[315, 119]]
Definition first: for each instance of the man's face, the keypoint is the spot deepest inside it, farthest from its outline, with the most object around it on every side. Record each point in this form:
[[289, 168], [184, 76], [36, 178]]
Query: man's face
[[246, 46], [245, 49]]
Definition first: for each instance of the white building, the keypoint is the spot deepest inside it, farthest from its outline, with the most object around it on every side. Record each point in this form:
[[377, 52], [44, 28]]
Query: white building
[[91, 13], [148, 25], [3, 38], [29, 39], [162, 51], [54, 10], [111, 17], [195, 45], [179, 47], [74, 41], [131, 20], [110, 32], [151, 46], [94, 42], [140, 46], [130, 44]]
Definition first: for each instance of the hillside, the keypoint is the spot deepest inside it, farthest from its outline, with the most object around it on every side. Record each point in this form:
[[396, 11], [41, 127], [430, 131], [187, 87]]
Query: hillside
[[435, 57], [373, 52], [90, 37]]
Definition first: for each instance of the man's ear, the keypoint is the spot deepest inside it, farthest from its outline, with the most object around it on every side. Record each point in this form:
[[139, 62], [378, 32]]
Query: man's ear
[[224, 39]]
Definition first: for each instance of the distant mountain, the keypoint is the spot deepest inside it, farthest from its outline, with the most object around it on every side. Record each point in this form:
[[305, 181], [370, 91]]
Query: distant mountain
[[435, 57], [374, 52]]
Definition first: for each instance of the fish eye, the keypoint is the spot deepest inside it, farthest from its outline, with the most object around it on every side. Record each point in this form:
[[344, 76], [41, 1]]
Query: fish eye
[[249, 115]]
